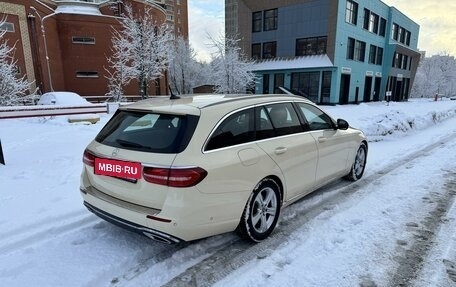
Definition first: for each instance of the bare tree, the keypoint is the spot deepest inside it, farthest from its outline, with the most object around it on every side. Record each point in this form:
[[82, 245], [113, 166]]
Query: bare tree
[[232, 71], [12, 88], [143, 54]]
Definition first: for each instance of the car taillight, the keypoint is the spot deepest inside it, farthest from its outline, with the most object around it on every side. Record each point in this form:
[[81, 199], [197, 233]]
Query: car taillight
[[174, 177], [88, 158]]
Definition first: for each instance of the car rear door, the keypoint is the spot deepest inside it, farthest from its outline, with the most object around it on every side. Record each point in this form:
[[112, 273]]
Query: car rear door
[[281, 135]]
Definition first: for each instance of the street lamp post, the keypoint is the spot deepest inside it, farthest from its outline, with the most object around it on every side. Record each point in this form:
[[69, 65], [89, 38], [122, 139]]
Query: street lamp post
[[42, 19]]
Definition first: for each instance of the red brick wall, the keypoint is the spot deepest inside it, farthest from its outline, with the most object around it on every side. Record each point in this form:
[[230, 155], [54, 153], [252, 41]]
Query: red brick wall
[[67, 58], [14, 41]]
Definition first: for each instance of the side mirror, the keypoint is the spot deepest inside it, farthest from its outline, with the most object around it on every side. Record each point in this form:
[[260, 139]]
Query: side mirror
[[342, 124]]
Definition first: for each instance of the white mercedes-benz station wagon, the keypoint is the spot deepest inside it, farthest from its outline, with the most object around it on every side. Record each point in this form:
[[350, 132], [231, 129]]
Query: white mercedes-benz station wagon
[[183, 169]]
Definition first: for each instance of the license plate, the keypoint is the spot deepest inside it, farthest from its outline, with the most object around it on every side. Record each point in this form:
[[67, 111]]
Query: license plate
[[117, 168]]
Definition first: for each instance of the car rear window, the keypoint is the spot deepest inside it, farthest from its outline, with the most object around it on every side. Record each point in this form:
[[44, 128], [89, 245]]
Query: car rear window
[[148, 132]]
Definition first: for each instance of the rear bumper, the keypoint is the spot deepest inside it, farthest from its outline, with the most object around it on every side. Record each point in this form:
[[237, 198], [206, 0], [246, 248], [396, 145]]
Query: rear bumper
[[185, 216], [146, 231]]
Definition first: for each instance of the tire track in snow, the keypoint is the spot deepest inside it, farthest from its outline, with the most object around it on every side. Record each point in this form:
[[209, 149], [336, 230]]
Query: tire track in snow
[[233, 256], [44, 230], [411, 259], [147, 263]]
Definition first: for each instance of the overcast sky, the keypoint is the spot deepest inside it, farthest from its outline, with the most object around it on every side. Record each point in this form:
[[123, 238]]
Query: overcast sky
[[436, 19], [205, 17], [437, 23]]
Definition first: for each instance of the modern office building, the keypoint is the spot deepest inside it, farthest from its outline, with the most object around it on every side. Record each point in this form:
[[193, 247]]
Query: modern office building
[[331, 51], [63, 45]]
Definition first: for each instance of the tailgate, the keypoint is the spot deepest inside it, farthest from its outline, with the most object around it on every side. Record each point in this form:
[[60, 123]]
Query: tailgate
[[130, 189]]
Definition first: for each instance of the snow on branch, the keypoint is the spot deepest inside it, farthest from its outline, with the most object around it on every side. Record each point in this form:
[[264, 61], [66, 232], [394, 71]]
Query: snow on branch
[[140, 51], [12, 88], [232, 71]]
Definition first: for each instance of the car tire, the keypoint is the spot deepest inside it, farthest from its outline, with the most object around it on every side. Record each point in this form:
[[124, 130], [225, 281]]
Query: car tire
[[261, 212], [359, 165]]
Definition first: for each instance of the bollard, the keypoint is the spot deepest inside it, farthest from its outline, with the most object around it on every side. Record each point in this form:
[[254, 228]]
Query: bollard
[[2, 159]]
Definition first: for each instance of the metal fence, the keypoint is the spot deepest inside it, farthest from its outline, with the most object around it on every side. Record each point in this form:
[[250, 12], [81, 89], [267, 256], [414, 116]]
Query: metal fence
[[43, 111]]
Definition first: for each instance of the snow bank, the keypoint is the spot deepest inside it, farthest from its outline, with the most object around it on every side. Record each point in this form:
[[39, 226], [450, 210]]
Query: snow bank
[[379, 120], [48, 238]]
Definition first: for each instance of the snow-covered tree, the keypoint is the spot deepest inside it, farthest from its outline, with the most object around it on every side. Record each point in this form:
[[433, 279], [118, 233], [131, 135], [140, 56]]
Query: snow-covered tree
[[436, 74], [184, 71], [145, 51], [231, 70], [12, 88], [117, 73], [150, 44]]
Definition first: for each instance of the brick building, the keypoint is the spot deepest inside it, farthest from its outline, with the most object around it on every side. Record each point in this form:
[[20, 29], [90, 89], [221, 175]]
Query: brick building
[[76, 37]]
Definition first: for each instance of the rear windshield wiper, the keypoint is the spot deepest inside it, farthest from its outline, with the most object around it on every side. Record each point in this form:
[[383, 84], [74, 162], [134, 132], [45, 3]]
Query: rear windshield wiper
[[125, 143]]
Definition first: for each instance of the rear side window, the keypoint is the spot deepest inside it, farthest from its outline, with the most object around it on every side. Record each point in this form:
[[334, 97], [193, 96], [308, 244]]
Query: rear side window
[[284, 119], [236, 129], [148, 132]]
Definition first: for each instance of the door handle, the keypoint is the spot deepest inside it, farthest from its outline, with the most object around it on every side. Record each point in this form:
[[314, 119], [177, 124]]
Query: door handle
[[280, 150], [321, 139]]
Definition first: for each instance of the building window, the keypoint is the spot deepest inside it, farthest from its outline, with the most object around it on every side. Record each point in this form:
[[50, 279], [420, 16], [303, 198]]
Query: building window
[[269, 50], [382, 31], [395, 31], [404, 62], [307, 84], [356, 50], [326, 87], [311, 46], [257, 18], [360, 51], [351, 12], [265, 83], [178, 2], [270, 19], [372, 54], [351, 49], [366, 19], [375, 55], [401, 35], [7, 26], [256, 51], [398, 60], [373, 23], [86, 74], [83, 40], [407, 38], [379, 56], [322, 43], [278, 82]]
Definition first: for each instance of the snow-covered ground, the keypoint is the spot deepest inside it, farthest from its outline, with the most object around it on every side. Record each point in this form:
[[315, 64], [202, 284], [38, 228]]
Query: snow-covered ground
[[396, 225]]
